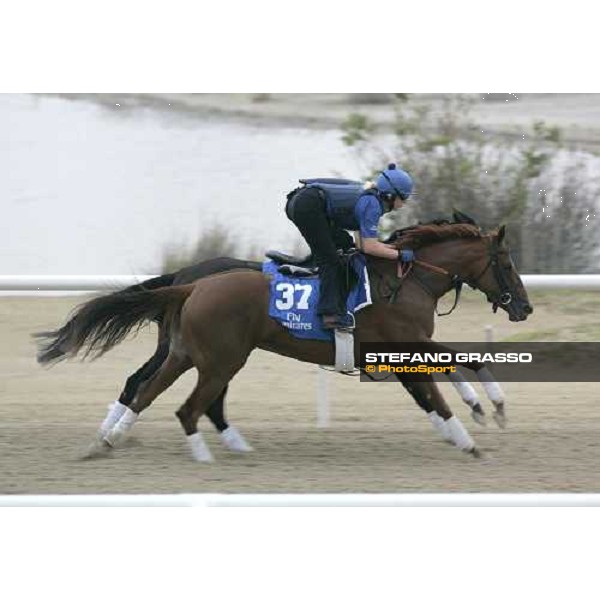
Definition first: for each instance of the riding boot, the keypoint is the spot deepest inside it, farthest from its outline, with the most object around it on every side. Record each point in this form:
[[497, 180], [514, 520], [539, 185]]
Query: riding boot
[[332, 297]]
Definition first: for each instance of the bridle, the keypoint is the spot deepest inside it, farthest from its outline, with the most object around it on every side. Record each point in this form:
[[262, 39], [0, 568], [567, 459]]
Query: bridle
[[504, 297]]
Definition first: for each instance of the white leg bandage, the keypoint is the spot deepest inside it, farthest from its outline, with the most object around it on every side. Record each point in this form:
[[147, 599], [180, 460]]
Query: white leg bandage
[[198, 447], [491, 386], [440, 426], [459, 434], [115, 412], [467, 392], [233, 440], [121, 428]]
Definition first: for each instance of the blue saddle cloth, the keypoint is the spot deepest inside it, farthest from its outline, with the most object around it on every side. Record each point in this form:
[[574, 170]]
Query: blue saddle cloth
[[293, 300]]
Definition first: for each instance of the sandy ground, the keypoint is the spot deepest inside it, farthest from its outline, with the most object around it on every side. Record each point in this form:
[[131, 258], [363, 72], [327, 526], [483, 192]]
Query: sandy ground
[[379, 441]]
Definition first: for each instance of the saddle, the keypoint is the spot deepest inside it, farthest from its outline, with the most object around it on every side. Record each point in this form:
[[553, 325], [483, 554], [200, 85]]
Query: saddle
[[293, 266], [304, 266]]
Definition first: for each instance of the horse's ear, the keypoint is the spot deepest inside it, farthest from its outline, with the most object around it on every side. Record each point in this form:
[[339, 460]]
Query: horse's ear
[[501, 233], [461, 217]]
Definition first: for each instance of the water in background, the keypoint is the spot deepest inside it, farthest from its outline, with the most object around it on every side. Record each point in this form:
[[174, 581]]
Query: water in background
[[88, 190]]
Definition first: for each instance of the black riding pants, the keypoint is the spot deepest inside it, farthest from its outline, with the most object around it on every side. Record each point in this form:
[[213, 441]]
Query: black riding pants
[[307, 211]]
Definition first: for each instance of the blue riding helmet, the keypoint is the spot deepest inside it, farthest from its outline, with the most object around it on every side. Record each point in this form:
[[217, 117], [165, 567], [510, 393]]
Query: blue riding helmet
[[395, 182]]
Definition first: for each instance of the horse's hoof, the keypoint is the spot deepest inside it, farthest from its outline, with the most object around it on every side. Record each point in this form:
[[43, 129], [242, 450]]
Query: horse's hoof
[[203, 457], [500, 419], [132, 442], [100, 434], [98, 449], [479, 418], [233, 440], [475, 452], [200, 451]]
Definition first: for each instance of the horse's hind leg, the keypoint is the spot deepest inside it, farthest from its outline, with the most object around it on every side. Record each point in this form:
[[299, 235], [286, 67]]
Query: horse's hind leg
[[175, 365], [230, 436], [204, 394], [132, 385]]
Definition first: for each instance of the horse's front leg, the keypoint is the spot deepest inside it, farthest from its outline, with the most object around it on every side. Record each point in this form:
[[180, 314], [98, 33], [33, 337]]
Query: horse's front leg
[[462, 386], [425, 391], [469, 396], [492, 390], [490, 385], [494, 393], [423, 400]]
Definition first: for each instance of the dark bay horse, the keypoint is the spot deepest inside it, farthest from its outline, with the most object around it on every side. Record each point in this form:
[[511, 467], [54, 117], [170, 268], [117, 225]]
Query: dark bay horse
[[230, 435], [215, 324]]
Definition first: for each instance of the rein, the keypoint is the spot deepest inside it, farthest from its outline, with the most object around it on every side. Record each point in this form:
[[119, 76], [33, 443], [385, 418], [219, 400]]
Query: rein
[[430, 267], [457, 282]]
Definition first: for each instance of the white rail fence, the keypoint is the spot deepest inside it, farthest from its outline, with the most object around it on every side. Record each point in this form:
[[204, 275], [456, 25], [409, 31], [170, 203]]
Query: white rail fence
[[73, 283], [68, 283]]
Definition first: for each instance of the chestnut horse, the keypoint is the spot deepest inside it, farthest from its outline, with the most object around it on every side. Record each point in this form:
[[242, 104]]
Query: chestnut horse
[[214, 324], [230, 435]]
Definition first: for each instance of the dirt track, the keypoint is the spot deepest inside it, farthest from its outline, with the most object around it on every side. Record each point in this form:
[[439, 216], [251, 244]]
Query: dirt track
[[379, 441]]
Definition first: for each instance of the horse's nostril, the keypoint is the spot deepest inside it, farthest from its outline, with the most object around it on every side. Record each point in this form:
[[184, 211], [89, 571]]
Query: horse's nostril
[[528, 309]]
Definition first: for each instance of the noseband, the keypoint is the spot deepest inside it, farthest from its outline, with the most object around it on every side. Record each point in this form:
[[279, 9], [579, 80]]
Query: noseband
[[505, 296]]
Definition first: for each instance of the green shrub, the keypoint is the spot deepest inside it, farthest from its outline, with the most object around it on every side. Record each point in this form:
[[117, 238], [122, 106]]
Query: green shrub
[[545, 194], [371, 98]]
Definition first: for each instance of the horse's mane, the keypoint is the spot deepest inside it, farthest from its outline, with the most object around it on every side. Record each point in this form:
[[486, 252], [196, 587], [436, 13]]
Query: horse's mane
[[427, 234]]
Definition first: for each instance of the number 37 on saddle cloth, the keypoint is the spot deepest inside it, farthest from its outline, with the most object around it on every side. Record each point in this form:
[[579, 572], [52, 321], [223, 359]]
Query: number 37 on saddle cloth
[[293, 300]]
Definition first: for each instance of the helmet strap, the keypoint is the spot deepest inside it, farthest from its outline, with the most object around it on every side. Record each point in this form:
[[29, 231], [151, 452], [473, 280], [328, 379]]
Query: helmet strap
[[396, 191], [388, 200]]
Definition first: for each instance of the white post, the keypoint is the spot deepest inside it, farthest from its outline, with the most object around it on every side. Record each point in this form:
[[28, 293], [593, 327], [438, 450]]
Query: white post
[[322, 399]]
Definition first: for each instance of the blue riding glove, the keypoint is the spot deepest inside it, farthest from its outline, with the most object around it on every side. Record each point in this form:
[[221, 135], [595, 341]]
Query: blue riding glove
[[406, 255]]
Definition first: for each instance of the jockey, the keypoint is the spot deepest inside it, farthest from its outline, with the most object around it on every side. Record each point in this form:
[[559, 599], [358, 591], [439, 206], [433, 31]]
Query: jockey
[[324, 209]]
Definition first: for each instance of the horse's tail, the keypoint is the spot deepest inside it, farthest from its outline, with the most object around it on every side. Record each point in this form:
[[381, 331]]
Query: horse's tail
[[103, 322], [151, 284]]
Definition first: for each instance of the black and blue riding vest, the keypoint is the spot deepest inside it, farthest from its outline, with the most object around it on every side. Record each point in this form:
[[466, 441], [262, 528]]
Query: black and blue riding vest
[[341, 196]]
